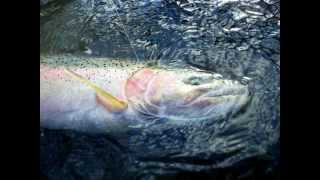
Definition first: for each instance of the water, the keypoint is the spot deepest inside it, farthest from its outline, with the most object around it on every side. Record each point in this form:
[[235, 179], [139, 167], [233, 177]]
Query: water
[[235, 38]]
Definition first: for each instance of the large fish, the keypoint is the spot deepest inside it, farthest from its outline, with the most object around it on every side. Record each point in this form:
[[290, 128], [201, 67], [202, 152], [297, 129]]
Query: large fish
[[99, 95]]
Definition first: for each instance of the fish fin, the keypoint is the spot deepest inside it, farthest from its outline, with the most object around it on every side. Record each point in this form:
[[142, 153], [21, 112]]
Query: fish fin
[[110, 102]]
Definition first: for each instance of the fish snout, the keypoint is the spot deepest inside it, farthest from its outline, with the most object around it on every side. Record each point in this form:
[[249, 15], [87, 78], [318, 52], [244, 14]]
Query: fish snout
[[217, 89]]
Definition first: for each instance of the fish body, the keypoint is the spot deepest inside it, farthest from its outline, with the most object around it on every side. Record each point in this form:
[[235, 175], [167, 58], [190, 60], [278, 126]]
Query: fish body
[[100, 95]]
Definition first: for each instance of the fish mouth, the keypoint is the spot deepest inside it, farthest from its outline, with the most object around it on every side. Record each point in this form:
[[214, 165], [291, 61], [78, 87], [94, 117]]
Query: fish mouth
[[233, 91], [230, 91]]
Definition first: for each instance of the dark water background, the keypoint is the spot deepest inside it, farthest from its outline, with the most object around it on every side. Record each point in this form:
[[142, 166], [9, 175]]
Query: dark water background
[[236, 38]]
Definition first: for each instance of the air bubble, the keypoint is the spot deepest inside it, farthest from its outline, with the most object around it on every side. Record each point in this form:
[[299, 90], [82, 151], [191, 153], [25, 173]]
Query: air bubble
[[88, 51], [245, 80], [217, 76]]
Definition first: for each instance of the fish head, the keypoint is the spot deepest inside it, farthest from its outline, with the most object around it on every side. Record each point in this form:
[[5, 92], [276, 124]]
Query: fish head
[[184, 94]]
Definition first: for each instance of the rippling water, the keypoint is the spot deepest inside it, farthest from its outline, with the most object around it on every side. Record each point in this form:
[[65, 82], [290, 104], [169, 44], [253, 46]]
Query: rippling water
[[236, 38]]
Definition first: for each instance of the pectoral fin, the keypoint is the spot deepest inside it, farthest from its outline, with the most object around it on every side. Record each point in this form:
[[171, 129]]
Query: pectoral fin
[[110, 102]]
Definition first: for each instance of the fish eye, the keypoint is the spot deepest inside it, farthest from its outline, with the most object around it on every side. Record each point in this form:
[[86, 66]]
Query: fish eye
[[194, 80]]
